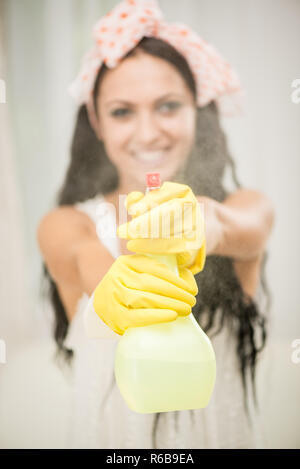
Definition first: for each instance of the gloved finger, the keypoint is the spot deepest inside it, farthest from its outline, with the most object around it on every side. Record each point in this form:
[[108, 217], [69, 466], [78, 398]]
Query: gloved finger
[[133, 298], [157, 246], [148, 283], [149, 316], [132, 198], [187, 276], [141, 263], [167, 191], [162, 221]]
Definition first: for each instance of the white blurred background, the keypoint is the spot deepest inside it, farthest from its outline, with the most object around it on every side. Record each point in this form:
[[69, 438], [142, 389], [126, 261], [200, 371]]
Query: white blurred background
[[41, 45]]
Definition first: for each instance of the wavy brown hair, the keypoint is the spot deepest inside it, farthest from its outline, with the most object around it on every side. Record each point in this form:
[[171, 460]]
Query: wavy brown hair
[[91, 172]]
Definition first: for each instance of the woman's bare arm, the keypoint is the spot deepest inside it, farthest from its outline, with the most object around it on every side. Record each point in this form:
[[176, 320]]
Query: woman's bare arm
[[73, 253], [240, 226], [92, 262]]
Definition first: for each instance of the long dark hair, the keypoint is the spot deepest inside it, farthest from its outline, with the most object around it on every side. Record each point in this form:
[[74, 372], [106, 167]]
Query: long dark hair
[[91, 172]]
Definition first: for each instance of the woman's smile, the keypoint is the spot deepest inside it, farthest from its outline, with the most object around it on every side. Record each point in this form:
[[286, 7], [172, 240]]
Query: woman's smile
[[151, 157]]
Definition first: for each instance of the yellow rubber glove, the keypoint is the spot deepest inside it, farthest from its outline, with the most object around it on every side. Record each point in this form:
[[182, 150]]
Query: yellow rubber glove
[[168, 220], [138, 291]]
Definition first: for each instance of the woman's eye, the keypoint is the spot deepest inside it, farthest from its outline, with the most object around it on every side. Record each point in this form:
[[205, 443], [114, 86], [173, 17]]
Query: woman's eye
[[166, 107], [170, 106], [120, 112]]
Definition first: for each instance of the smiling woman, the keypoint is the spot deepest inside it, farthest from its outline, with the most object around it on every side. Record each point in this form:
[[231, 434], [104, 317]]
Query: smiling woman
[[148, 113]]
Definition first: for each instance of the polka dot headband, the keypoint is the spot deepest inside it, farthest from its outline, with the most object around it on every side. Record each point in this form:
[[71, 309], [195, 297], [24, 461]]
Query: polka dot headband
[[122, 29]]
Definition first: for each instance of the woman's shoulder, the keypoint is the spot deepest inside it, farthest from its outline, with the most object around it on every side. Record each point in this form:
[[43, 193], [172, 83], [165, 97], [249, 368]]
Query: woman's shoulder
[[60, 230], [64, 217]]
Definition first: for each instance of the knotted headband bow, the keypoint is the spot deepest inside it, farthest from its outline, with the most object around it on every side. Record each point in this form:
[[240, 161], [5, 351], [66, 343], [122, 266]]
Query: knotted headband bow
[[121, 30]]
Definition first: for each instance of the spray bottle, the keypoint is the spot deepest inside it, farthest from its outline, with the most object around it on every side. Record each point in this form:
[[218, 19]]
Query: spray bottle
[[168, 366]]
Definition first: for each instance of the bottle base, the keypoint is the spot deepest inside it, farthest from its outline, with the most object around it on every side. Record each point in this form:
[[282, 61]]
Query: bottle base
[[171, 386]]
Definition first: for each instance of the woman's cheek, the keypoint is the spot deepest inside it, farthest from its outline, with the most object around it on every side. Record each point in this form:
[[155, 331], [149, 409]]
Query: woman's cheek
[[118, 137], [183, 125]]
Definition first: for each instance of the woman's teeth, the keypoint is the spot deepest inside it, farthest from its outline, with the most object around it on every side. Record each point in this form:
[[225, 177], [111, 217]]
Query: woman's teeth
[[150, 156]]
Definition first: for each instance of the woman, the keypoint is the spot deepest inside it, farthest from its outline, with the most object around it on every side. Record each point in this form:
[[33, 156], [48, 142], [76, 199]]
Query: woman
[[148, 106]]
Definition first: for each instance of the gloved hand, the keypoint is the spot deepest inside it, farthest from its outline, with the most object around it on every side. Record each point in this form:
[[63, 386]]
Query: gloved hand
[[138, 291], [168, 220]]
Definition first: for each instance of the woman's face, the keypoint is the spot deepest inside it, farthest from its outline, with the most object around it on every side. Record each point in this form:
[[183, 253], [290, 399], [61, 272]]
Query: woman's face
[[146, 119]]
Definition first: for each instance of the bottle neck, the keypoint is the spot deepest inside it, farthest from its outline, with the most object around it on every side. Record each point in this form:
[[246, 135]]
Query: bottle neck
[[148, 189]]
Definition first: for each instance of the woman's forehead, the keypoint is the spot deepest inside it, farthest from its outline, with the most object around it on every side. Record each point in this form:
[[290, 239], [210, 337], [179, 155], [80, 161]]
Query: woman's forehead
[[142, 76]]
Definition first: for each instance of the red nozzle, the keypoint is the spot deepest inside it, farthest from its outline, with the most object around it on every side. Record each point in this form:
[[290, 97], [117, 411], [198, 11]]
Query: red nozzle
[[153, 180]]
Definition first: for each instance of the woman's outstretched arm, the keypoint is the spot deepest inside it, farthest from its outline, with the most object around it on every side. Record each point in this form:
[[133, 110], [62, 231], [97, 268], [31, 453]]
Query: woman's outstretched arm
[[240, 226]]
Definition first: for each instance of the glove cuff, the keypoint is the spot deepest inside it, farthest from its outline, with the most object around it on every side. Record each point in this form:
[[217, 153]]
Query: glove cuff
[[199, 261]]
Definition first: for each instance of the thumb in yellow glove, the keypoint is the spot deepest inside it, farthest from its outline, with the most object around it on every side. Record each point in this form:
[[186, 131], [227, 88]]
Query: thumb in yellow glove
[[139, 291], [168, 220]]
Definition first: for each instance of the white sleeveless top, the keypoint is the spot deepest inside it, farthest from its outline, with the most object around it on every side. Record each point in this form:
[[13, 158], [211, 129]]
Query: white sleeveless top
[[101, 419]]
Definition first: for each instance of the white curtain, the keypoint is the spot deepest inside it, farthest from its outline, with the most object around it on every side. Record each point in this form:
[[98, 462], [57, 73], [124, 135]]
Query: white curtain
[[41, 43], [44, 42], [15, 321]]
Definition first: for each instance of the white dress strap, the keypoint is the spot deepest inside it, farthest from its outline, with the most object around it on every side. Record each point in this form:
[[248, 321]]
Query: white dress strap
[[103, 214]]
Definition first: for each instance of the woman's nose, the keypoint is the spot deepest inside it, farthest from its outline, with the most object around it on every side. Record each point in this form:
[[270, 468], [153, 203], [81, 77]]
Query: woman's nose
[[147, 129]]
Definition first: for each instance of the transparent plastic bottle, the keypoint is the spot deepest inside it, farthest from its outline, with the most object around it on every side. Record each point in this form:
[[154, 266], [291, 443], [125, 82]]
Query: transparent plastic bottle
[[165, 367]]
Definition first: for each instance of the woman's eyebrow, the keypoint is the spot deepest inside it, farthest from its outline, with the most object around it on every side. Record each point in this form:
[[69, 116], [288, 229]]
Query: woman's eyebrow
[[128, 103]]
